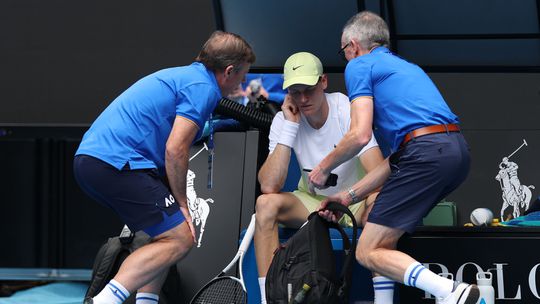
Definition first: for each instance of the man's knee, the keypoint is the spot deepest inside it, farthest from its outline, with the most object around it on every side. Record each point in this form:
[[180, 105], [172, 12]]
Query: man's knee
[[371, 243], [267, 207], [179, 241], [362, 255]]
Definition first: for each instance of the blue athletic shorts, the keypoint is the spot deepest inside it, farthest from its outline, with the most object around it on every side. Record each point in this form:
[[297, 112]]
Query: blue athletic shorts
[[423, 172], [139, 197]]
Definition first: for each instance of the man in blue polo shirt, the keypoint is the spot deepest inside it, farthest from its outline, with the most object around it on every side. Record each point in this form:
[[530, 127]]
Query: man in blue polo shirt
[[429, 156], [147, 132]]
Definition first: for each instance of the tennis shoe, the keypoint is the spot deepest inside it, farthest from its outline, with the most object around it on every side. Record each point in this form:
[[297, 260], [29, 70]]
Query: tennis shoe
[[462, 293]]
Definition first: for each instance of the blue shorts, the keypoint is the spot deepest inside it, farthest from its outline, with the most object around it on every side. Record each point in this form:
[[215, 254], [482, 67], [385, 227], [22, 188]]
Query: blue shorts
[[423, 172], [139, 197]]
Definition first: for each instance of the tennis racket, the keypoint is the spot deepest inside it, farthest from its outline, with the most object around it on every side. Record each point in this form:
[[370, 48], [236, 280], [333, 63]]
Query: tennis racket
[[228, 289]]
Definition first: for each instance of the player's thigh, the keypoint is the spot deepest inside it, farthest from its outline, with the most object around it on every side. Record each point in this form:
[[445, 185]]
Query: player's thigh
[[362, 211], [294, 210], [139, 197], [180, 235]]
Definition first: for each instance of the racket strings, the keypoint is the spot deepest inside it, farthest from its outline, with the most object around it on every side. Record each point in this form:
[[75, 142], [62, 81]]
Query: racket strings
[[221, 291]]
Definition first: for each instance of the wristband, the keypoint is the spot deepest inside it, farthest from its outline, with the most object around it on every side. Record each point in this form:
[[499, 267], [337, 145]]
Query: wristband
[[288, 133], [353, 196]]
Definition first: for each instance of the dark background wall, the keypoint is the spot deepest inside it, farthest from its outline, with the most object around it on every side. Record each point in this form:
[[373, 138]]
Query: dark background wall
[[65, 61], [62, 62]]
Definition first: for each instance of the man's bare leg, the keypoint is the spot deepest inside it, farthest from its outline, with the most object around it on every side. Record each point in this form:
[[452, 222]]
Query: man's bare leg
[[383, 287], [146, 268], [376, 251], [272, 209]]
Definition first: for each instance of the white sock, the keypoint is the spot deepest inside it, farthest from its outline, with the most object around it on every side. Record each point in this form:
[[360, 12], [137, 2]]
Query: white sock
[[113, 293], [262, 287], [146, 298], [419, 276], [383, 289]]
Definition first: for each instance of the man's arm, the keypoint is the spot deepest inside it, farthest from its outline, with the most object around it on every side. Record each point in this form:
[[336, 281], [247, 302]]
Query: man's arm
[[372, 181], [370, 159], [273, 173], [176, 162], [362, 189], [350, 145]]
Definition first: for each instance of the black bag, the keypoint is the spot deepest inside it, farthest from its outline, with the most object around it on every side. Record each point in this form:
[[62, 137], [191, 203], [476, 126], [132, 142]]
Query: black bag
[[111, 256], [308, 258]]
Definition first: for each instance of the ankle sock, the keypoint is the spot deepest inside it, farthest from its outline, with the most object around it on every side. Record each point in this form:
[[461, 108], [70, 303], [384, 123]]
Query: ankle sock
[[262, 284], [113, 293], [420, 277], [146, 298], [383, 289]]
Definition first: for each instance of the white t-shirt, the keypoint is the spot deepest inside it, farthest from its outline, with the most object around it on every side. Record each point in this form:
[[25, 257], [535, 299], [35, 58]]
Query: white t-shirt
[[312, 145]]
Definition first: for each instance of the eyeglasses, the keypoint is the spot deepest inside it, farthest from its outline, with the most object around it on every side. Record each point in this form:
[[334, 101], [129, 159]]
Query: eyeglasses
[[341, 52]]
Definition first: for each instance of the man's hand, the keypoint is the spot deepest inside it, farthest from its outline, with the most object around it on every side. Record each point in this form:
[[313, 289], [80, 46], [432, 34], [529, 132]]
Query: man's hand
[[340, 198], [290, 110], [185, 211], [252, 96], [237, 93], [317, 177]]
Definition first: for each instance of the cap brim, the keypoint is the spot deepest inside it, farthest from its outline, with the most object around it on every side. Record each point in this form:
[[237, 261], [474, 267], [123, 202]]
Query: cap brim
[[307, 80]]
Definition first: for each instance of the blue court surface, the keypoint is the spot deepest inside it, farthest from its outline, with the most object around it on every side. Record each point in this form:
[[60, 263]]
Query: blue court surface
[[53, 293]]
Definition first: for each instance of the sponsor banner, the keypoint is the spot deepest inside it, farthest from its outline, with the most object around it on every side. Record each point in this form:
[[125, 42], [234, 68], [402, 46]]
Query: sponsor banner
[[511, 256]]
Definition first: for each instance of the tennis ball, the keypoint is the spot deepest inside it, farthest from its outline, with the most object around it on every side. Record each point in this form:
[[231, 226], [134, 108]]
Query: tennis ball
[[481, 217]]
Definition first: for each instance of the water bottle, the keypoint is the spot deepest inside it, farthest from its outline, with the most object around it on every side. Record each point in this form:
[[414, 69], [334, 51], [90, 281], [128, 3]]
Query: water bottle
[[487, 293], [301, 295]]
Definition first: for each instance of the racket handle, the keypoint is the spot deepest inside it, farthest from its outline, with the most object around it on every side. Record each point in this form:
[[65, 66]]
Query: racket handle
[[210, 180], [246, 241]]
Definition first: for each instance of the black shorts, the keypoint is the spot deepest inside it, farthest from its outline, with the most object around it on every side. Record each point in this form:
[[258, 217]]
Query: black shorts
[[423, 172], [139, 197]]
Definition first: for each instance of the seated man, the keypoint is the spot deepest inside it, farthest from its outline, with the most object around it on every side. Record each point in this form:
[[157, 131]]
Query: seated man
[[311, 122]]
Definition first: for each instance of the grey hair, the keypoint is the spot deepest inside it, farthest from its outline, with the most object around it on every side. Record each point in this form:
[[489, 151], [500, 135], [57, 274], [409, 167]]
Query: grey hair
[[368, 29]]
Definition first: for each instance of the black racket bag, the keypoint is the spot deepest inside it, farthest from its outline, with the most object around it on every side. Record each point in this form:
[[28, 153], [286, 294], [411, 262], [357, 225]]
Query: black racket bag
[[304, 270]]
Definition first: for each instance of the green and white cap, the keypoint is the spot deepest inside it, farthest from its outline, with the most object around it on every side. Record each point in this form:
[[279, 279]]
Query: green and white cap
[[302, 68]]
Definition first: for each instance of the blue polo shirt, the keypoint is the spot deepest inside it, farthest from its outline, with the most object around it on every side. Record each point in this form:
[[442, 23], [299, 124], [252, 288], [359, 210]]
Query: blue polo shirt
[[404, 97], [135, 127]]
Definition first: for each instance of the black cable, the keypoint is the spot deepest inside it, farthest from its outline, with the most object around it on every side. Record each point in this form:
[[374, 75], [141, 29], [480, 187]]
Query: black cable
[[250, 115]]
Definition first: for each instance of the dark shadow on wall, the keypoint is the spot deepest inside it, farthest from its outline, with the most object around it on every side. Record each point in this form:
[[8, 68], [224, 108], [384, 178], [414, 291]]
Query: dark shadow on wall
[[65, 61]]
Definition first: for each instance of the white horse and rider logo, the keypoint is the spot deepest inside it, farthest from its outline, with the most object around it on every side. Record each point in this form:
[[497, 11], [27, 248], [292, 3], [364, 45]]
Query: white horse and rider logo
[[199, 208], [514, 194]]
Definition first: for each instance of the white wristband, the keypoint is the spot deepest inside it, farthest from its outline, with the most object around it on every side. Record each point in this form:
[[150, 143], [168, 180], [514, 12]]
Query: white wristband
[[288, 133]]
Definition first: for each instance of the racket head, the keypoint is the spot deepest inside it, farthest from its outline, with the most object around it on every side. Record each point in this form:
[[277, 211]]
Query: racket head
[[225, 289]]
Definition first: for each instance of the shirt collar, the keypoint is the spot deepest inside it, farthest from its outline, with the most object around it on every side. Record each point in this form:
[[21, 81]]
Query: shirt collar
[[211, 75], [380, 49]]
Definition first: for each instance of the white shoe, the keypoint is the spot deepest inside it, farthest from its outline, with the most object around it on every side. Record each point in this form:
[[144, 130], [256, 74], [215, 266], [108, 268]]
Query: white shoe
[[463, 293]]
